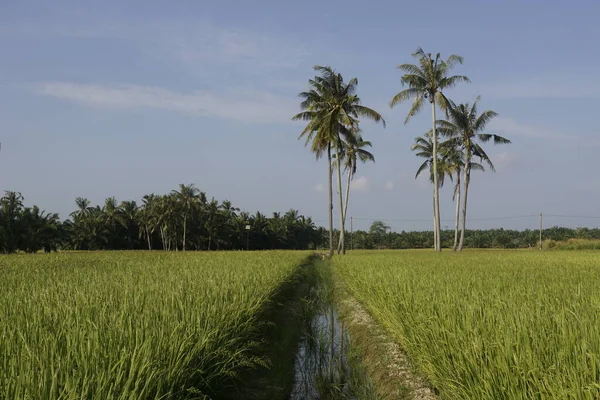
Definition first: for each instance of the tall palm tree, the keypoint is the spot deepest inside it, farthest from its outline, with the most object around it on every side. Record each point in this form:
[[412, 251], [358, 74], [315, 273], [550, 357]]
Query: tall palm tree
[[423, 147], [332, 110], [427, 80], [465, 125], [354, 151], [186, 197]]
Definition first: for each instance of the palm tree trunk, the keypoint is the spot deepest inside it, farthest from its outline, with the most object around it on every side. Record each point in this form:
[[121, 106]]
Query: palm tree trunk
[[149, 239], [341, 197], [464, 210], [457, 215], [434, 230], [346, 202], [436, 187], [330, 205], [184, 230]]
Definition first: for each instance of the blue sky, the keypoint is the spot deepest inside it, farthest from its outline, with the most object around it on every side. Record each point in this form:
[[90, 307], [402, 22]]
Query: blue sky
[[127, 98]]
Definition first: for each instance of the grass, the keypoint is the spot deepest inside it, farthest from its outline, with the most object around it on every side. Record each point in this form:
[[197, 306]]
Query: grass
[[125, 325], [488, 325]]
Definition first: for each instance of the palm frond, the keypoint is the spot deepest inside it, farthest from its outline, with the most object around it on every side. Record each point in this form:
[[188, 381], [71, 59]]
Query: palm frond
[[369, 113], [453, 60], [484, 119], [411, 69], [414, 108], [482, 155], [405, 95], [422, 168]]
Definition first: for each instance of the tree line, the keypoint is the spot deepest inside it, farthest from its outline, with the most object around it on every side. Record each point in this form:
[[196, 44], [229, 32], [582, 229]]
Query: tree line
[[182, 219], [379, 236], [333, 111], [186, 219]]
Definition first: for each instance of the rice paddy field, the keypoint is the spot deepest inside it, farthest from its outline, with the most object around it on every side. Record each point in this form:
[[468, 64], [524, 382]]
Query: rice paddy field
[[488, 324], [119, 325], [152, 325]]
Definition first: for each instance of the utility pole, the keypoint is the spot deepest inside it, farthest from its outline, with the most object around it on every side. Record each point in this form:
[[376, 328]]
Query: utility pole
[[541, 227], [351, 235]]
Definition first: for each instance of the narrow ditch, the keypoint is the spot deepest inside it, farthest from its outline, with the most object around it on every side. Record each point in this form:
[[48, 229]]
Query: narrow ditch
[[326, 367], [306, 342]]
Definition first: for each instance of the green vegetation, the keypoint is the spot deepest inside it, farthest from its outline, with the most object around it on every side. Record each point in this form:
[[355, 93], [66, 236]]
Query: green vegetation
[[572, 244], [181, 220], [127, 325], [488, 325]]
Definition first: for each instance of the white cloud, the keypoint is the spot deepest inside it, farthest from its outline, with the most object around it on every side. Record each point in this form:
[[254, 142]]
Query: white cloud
[[510, 127], [389, 185], [209, 44], [319, 188], [244, 105], [360, 184], [202, 47]]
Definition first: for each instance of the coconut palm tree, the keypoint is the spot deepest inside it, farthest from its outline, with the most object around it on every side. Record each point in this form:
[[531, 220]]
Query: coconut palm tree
[[423, 147], [211, 214], [466, 126], [129, 212], [452, 153], [454, 158], [146, 218], [354, 151], [332, 110], [83, 207], [186, 197], [427, 81]]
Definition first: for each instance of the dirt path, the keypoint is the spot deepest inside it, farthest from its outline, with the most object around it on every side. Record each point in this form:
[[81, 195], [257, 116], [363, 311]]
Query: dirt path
[[386, 362]]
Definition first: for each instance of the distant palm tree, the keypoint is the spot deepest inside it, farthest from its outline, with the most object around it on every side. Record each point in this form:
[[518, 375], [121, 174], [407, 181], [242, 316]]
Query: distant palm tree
[[354, 151], [186, 197], [211, 213], [333, 109], [465, 126], [83, 207], [427, 81], [129, 211], [146, 218], [112, 213]]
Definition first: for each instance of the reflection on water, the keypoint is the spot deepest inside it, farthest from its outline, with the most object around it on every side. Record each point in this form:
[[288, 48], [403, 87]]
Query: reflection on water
[[321, 364]]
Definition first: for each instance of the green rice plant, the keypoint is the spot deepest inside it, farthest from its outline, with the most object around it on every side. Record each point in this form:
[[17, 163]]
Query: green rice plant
[[134, 325], [488, 324]]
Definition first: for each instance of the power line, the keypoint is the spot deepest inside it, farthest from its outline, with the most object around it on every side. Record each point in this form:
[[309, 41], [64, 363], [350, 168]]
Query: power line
[[468, 219], [571, 216]]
